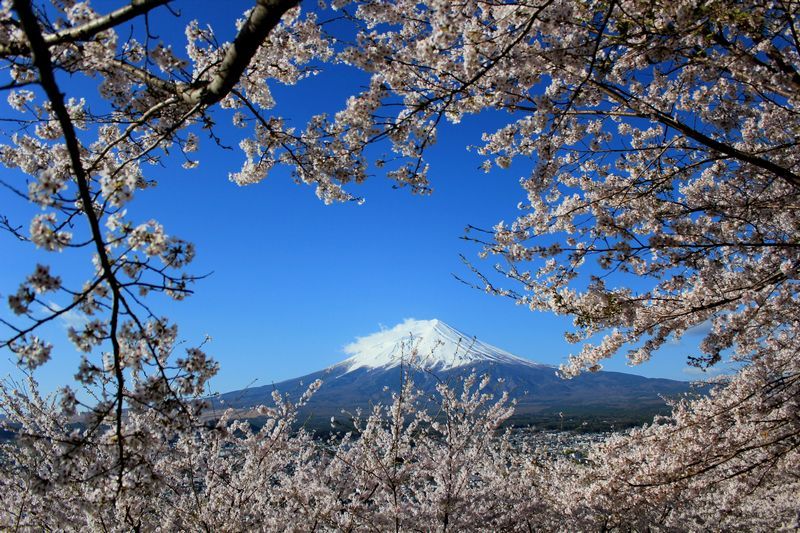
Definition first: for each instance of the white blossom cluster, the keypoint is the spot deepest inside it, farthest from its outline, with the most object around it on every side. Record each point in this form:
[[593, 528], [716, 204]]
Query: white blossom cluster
[[415, 464]]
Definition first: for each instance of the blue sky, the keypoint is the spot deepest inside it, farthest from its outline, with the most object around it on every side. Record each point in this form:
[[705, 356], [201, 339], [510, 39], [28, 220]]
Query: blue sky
[[293, 280]]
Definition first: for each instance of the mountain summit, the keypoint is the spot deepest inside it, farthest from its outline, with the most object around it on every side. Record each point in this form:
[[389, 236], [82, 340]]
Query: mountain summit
[[425, 344]]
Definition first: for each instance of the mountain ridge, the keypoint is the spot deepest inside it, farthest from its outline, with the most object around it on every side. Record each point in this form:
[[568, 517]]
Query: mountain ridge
[[431, 352]]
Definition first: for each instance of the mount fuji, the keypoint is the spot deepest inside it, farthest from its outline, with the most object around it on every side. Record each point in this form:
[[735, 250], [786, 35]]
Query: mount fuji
[[433, 352], [424, 344]]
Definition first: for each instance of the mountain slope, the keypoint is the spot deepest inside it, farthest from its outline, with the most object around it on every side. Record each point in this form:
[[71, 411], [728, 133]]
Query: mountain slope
[[433, 352]]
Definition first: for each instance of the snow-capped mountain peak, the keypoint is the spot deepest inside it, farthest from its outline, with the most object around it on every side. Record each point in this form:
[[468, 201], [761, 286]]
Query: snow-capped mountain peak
[[425, 343], [369, 375]]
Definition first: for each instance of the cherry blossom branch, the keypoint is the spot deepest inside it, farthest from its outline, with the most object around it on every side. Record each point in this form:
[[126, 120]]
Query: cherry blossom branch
[[42, 61], [264, 16], [648, 111], [87, 31]]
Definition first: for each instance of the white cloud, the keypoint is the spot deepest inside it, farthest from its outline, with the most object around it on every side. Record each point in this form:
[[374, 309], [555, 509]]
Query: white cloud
[[383, 335], [700, 330], [701, 372], [69, 319], [721, 368]]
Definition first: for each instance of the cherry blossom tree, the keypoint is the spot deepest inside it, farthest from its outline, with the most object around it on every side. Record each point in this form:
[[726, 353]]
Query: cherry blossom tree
[[664, 154], [85, 165], [662, 143]]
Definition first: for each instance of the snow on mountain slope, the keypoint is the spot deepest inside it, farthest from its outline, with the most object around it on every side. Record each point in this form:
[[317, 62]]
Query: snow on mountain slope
[[425, 343], [372, 372]]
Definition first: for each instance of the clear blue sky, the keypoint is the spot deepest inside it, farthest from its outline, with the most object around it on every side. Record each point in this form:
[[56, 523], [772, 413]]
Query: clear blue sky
[[293, 280]]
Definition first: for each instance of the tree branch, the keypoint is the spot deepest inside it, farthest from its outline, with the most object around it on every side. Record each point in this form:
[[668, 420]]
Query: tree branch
[[262, 19], [663, 118], [43, 63], [90, 29]]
